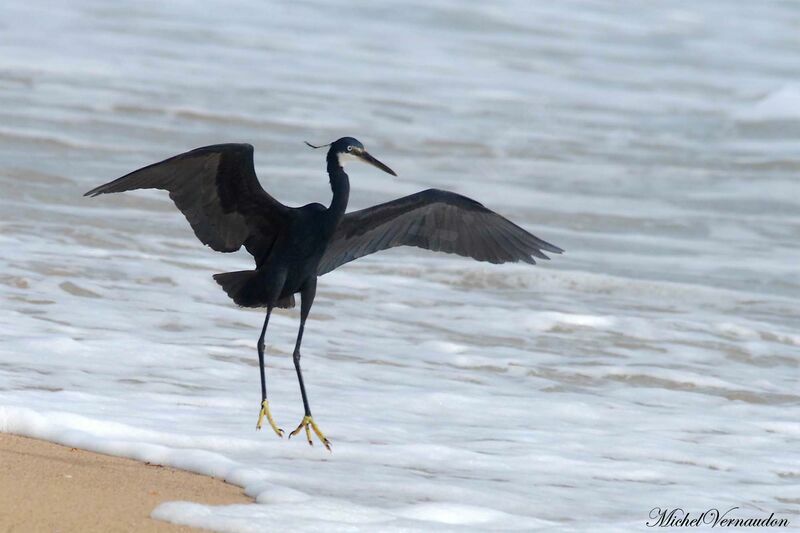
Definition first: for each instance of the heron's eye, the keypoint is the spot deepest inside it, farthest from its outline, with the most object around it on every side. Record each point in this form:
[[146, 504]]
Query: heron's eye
[[349, 148]]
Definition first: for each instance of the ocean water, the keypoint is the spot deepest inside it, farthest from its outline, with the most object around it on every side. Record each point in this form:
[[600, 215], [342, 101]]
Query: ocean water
[[655, 364]]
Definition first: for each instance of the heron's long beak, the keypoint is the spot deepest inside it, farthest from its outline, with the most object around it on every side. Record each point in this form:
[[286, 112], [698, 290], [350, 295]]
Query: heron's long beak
[[367, 158]]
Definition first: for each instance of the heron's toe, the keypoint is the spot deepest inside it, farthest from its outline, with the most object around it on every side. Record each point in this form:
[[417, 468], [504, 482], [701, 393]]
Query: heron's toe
[[266, 413], [309, 425]]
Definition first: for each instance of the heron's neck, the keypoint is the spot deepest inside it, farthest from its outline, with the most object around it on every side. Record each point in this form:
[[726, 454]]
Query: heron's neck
[[340, 185]]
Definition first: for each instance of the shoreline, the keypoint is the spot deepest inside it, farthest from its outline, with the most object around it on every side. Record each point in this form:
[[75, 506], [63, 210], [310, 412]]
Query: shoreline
[[49, 487]]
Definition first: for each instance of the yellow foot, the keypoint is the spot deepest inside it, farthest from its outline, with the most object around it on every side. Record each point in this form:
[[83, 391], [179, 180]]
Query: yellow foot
[[309, 424], [265, 412]]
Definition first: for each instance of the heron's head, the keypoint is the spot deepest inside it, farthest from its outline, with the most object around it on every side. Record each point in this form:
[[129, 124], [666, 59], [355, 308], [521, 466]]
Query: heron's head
[[350, 149]]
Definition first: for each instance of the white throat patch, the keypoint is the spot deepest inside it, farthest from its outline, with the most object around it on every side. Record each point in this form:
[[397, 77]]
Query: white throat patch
[[344, 156]]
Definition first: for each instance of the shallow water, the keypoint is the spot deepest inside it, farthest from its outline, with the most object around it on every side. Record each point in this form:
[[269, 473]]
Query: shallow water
[[654, 364]]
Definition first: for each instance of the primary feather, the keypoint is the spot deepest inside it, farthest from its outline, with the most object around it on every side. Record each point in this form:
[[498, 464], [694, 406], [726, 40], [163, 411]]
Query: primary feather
[[216, 189], [434, 220]]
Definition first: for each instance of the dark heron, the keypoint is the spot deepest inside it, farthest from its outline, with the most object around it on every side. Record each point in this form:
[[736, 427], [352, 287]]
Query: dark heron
[[217, 190]]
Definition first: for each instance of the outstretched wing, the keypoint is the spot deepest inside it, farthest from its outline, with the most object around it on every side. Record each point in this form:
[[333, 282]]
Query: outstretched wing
[[436, 220], [217, 190]]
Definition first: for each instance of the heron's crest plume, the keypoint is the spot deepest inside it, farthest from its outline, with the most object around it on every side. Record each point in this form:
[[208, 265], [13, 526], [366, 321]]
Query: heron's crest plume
[[316, 147]]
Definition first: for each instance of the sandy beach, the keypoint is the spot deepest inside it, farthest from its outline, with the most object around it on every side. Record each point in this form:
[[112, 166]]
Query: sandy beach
[[48, 487]]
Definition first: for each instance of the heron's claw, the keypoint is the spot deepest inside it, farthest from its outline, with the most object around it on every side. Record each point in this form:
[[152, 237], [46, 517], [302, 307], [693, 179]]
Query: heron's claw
[[265, 413], [309, 424]]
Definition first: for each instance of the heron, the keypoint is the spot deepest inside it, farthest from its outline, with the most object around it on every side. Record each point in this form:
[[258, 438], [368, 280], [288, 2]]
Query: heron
[[217, 190]]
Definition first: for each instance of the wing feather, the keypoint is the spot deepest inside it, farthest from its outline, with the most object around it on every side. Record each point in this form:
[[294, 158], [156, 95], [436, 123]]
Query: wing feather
[[434, 220], [216, 189]]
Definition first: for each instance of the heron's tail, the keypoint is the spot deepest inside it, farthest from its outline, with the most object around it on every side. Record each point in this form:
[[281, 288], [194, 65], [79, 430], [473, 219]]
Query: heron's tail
[[247, 288]]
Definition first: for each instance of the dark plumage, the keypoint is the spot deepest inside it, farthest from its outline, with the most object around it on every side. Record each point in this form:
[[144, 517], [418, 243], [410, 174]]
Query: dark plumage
[[436, 220], [216, 189]]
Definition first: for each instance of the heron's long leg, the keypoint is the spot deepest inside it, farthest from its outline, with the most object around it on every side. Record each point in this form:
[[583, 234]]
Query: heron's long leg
[[307, 294], [264, 403], [304, 309]]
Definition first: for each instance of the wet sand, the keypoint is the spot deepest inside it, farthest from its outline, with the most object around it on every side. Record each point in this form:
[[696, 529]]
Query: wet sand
[[48, 487]]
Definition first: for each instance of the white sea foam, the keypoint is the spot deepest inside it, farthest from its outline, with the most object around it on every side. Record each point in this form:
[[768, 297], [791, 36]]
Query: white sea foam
[[781, 104]]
